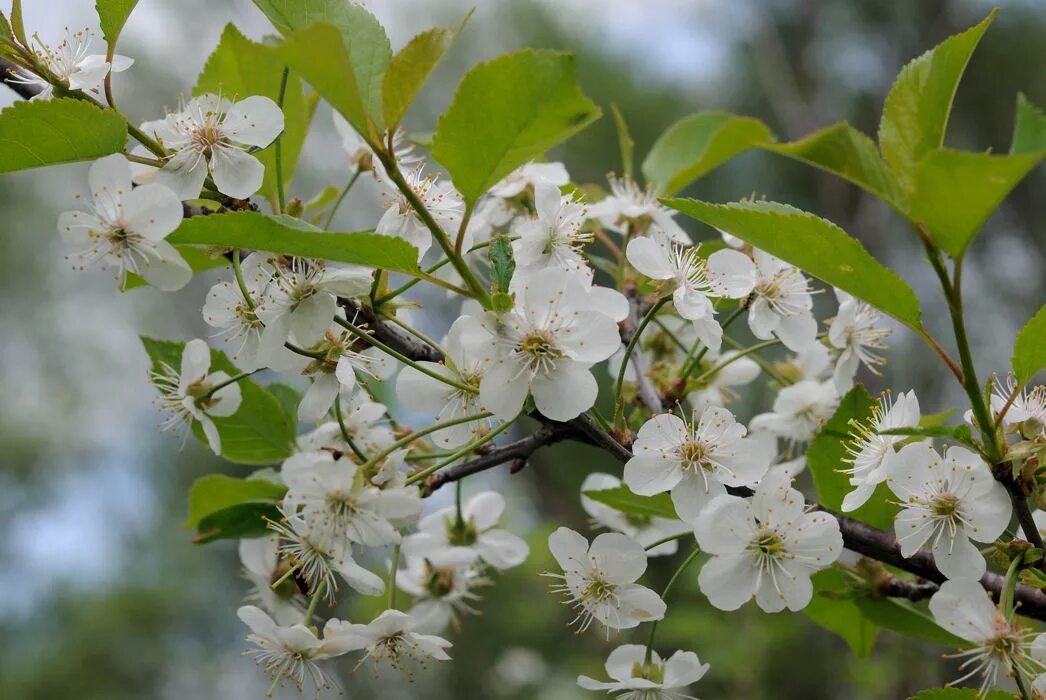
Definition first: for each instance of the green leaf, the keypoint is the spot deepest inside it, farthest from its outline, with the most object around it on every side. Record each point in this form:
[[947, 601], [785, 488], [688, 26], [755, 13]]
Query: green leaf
[[814, 245], [1029, 348], [625, 142], [832, 609], [620, 498], [696, 144], [846, 152], [62, 130], [237, 522], [5, 31], [362, 57], [286, 235], [915, 114], [959, 433], [960, 694], [214, 492], [956, 192], [288, 396], [112, 15], [239, 68], [507, 112], [1029, 133], [17, 25], [410, 68], [258, 433], [199, 259], [502, 262], [905, 618], [825, 462]]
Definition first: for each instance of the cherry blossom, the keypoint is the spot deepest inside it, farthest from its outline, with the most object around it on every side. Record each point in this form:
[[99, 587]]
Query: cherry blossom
[[555, 237], [637, 678], [629, 205], [781, 303], [871, 454], [389, 639], [857, 331], [70, 62], [644, 529], [290, 653]]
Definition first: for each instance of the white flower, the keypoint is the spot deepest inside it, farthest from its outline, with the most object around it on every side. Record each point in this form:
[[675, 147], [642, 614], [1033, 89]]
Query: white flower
[[546, 345], [644, 529], [856, 331], [725, 273], [332, 499], [528, 177], [813, 362], [465, 364], [695, 460], [361, 418], [554, 238], [360, 154], [126, 227], [946, 504], [599, 580], [389, 638], [289, 653], [718, 391], [636, 679], [260, 557], [345, 355], [400, 220], [765, 546], [226, 309], [189, 394], [1026, 413], [442, 591], [71, 63], [301, 301], [999, 646], [871, 454], [781, 304], [799, 410], [210, 135], [475, 537], [628, 205], [317, 555]]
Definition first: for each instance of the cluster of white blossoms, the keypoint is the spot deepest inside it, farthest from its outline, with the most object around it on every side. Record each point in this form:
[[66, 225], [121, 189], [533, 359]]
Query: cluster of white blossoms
[[354, 487]]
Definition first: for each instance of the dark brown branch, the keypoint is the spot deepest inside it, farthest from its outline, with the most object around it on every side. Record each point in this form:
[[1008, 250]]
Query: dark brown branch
[[909, 590], [8, 71]]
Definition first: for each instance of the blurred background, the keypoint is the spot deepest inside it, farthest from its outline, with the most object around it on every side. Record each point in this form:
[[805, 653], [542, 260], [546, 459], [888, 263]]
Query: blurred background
[[102, 594]]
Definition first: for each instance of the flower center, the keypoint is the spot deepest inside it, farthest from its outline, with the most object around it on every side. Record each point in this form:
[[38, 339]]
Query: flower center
[[695, 454], [945, 505], [539, 346], [767, 542], [651, 672], [440, 581], [206, 137]]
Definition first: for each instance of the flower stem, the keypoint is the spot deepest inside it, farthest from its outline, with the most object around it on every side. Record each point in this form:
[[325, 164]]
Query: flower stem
[[664, 593], [231, 380], [1010, 585], [734, 358], [341, 197], [314, 601], [416, 333], [407, 439], [632, 342], [281, 197], [345, 433], [392, 576], [670, 538], [427, 471], [693, 362]]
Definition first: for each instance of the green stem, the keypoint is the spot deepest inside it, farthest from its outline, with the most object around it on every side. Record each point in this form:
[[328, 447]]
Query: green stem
[[460, 240], [281, 197], [670, 538], [734, 358], [1010, 586], [479, 442], [314, 601], [406, 440], [458, 487], [392, 577], [695, 362], [416, 333], [341, 197], [231, 380], [442, 263], [632, 342], [345, 433], [664, 593]]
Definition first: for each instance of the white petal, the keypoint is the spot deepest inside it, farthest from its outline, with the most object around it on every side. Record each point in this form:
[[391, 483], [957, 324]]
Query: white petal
[[725, 526], [236, 173], [728, 581], [318, 398], [958, 557], [166, 269], [569, 548], [650, 258], [963, 608], [566, 393], [485, 509], [503, 390], [620, 558], [731, 274], [650, 475], [255, 121], [152, 211]]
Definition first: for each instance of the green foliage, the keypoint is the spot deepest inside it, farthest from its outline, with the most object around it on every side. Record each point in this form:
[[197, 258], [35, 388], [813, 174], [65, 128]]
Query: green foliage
[[502, 262], [62, 130], [507, 112], [199, 259], [1029, 348], [5, 31], [258, 433], [915, 114], [236, 522], [832, 609], [216, 492], [816, 246], [410, 68], [17, 25], [239, 68], [956, 192], [696, 144], [288, 396], [903, 617], [825, 462], [286, 235], [961, 694], [848, 153], [626, 144], [1029, 133], [620, 498], [112, 15]]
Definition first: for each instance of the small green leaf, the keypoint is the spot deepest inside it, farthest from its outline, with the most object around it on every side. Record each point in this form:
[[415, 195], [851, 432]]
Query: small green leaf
[[625, 142], [956, 192], [915, 114], [214, 492], [1029, 133], [239, 68], [502, 262], [825, 462], [199, 259], [62, 130], [961, 694], [620, 498], [410, 68], [1029, 348], [5, 31], [814, 245], [17, 25], [846, 152], [237, 522], [905, 618], [832, 608], [286, 235], [507, 112], [696, 144], [112, 15]]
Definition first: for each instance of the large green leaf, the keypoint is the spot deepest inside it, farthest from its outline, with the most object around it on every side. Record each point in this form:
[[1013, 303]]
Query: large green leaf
[[62, 130], [825, 462], [410, 68], [112, 15], [622, 499], [956, 192], [237, 522], [845, 151], [903, 617], [366, 47], [507, 112], [1029, 348], [696, 144], [239, 68], [286, 235], [1029, 132], [214, 492], [813, 244], [832, 608], [915, 114], [258, 433]]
